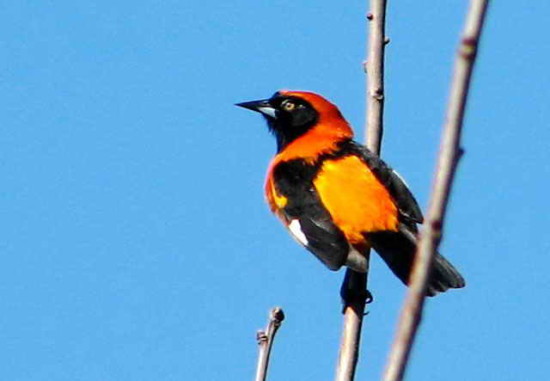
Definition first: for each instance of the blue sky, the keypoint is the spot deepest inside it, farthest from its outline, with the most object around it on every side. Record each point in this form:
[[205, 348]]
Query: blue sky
[[136, 242]]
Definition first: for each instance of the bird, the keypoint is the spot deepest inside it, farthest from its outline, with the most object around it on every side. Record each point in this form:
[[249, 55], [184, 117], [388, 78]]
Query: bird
[[336, 197]]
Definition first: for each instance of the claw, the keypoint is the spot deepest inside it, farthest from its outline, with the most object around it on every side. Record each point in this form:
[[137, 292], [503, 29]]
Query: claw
[[368, 297], [351, 296]]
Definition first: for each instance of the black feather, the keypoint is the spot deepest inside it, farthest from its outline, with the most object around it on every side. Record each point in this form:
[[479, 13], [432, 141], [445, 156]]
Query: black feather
[[294, 180], [397, 249]]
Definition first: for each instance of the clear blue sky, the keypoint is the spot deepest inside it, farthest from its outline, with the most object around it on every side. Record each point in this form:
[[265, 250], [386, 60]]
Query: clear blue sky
[[136, 244]]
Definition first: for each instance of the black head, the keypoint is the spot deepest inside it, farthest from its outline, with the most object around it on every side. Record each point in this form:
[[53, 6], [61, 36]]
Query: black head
[[288, 116]]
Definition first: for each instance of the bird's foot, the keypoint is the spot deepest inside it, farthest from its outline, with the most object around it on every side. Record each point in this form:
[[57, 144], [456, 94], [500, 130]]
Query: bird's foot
[[352, 297]]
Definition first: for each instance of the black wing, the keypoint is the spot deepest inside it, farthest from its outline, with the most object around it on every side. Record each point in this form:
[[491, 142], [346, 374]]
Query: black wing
[[305, 212]]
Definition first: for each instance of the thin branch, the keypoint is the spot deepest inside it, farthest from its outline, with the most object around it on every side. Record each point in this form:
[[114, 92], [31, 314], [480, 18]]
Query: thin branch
[[355, 284], [375, 75], [265, 341], [354, 287], [449, 155]]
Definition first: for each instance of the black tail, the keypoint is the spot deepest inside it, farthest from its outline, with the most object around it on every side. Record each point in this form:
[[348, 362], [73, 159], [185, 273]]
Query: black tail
[[397, 250]]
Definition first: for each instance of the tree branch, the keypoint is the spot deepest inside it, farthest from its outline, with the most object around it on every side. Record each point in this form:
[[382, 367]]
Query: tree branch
[[265, 341], [355, 284], [375, 75], [449, 156]]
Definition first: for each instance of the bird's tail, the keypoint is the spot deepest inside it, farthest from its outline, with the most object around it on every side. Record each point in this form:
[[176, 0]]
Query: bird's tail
[[397, 249]]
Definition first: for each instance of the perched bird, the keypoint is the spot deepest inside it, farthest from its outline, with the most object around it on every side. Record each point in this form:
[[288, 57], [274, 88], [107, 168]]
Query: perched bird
[[337, 198]]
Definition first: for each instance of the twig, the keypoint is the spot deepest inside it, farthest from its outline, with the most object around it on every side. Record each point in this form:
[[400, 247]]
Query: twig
[[355, 284], [449, 155], [375, 75], [265, 341]]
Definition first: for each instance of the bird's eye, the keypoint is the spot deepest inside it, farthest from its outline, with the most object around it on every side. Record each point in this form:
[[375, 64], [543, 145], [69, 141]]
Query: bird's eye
[[288, 106]]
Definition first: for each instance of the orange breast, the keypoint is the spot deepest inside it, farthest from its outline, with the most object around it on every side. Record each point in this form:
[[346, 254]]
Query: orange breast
[[356, 200]]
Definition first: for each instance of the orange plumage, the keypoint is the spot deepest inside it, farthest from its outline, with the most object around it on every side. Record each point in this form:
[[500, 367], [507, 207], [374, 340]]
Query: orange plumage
[[355, 199]]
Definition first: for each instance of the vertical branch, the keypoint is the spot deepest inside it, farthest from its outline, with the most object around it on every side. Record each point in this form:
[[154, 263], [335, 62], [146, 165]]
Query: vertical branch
[[375, 75], [355, 284], [354, 287], [265, 342], [449, 155]]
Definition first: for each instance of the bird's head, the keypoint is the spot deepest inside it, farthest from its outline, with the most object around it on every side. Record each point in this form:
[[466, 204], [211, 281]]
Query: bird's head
[[292, 114]]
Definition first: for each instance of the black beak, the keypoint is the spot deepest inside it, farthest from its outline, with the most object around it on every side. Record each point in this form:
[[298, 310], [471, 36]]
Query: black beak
[[262, 106]]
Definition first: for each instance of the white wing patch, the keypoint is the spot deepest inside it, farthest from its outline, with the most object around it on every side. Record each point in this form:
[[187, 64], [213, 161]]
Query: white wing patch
[[297, 233]]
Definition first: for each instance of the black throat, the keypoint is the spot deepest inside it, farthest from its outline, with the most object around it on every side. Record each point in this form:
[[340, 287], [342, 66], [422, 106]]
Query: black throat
[[287, 127]]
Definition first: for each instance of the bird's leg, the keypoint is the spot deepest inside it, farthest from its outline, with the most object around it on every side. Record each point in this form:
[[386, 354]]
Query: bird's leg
[[353, 291]]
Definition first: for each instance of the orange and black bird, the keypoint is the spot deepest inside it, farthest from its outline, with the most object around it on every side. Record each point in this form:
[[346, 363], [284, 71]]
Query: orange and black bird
[[337, 198]]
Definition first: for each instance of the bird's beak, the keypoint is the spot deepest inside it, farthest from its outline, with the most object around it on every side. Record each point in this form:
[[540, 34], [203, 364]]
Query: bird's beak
[[262, 106]]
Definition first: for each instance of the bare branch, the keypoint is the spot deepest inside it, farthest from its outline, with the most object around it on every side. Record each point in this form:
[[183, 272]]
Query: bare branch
[[449, 155], [355, 284], [265, 341], [354, 287], [375, 75]]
